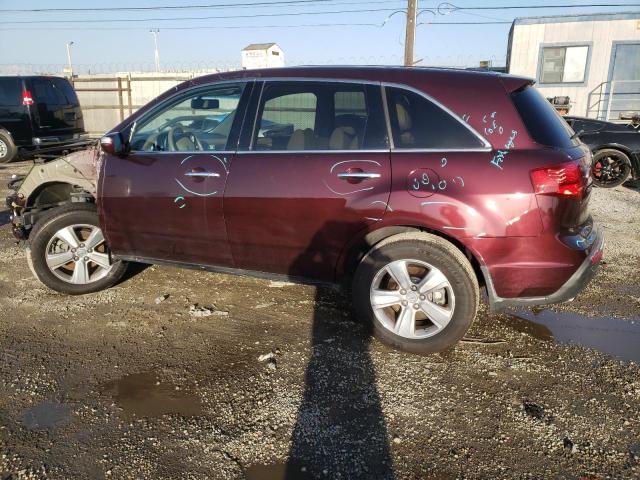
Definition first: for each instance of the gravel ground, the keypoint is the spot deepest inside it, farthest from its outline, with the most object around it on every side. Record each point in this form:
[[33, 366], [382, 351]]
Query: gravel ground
[[134, 382]]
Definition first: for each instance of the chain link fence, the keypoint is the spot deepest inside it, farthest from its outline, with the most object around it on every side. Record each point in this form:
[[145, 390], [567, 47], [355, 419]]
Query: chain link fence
[[204, 66]]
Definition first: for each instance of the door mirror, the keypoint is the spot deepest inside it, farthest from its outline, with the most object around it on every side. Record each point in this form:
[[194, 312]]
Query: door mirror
[[112, 144], [205, 103]]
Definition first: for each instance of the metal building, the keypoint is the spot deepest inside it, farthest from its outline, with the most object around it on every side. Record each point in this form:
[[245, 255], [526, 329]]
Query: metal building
[[593, 59], [262, 55]]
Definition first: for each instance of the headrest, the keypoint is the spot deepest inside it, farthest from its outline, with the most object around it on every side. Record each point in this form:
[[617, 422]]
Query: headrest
[[343, 138], [402, 111], [300, 139]]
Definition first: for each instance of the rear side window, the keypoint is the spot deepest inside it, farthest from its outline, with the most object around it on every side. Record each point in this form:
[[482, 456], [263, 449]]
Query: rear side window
[[10, 91], [304, 115], [418, 123], [543, 123]]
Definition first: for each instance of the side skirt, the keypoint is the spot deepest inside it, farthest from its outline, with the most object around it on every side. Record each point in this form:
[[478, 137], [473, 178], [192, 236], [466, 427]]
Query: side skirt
[[230, 271]]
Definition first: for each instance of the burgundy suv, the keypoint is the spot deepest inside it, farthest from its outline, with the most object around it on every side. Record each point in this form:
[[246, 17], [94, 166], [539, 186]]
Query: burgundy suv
[[413, 186]]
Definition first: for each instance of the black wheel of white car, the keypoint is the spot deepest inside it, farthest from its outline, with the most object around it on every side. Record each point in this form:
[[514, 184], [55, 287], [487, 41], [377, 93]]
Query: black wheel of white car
[[8, 150], [418, 291], [69, 254]]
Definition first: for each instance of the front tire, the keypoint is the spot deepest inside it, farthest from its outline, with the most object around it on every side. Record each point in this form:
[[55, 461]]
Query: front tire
[[417, 291], [610, 167], [69, 254]]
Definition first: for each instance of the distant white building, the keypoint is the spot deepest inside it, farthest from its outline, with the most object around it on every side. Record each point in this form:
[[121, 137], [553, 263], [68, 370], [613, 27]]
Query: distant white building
[[262, 55], [593, 59]]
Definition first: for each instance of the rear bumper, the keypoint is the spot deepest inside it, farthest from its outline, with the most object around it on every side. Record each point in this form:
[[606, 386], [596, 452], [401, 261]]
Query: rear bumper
[[566, 292]]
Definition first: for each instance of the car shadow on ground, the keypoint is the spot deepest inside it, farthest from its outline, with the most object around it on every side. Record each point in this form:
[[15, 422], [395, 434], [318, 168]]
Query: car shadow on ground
[[133, 269], [632, 185], [340, 430]]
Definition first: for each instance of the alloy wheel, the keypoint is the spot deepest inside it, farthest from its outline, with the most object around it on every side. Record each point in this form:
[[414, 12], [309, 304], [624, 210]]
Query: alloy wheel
[[3, 149], [412, 299], [608, 169], [78, 254]]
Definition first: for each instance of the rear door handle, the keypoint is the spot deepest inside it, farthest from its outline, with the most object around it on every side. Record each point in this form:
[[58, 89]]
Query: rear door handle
[[358, 175], [202, 174]]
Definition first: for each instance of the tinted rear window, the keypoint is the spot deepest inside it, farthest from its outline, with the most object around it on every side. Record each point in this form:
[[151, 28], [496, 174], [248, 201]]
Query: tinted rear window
[[53, 91], [67, 90], [543, 123], [10, 91]]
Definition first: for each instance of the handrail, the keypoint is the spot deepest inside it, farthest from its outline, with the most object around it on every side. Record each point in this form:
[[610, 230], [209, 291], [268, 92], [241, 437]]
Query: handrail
[[601, 98]]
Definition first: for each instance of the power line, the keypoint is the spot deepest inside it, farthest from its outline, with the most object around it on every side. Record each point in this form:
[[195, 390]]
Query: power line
[[527, 7], [219, 17], [445, 5], [233, 27], [189, 7], [452, 7], [203, 27]]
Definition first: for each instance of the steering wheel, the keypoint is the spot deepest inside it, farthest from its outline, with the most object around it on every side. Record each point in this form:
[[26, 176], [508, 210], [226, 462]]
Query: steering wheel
[[178, 137]]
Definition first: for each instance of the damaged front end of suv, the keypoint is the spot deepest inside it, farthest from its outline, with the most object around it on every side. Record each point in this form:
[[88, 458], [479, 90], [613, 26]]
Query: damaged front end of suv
[[71, 178]]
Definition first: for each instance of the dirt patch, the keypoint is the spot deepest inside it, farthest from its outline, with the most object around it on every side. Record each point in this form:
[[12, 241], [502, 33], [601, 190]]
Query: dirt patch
[[120, 385]]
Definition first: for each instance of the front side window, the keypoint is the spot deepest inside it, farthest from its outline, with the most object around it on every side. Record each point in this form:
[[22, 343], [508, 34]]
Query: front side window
[[199, 122], [418, 123], [320, 116], [564, 64]]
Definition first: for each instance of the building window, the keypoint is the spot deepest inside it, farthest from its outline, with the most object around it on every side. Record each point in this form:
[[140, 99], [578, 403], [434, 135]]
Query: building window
[[564, 64]]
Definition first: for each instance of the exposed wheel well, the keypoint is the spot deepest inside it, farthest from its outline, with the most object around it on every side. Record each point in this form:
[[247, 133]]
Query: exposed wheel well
[[56, 193], [50, 195], [362, 247]]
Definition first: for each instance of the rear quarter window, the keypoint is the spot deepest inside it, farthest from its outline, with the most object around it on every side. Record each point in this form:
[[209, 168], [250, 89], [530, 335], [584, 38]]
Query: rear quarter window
[[543, 123], [10, 92], [418, 123]]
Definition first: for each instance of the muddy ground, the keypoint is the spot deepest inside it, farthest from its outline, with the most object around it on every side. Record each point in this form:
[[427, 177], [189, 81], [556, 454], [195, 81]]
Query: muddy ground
[[115, 385]]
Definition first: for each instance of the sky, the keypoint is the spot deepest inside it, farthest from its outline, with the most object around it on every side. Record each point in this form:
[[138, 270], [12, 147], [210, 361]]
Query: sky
[[108, 39]]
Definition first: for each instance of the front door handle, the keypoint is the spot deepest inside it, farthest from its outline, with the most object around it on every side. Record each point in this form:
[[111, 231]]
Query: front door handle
[[202, 174], [358, 175]]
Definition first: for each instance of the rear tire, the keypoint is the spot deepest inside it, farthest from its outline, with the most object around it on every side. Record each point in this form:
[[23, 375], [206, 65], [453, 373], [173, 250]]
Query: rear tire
[[436, 306], [8, 151], [69, 254], [610, 167]]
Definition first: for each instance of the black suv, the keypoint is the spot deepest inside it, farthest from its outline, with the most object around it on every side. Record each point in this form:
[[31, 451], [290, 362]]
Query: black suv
[[36, 112]]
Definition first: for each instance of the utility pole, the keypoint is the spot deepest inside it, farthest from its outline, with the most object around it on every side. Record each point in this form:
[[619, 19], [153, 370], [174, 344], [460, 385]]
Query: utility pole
[[155, 32], [410, 37], [69, 58]]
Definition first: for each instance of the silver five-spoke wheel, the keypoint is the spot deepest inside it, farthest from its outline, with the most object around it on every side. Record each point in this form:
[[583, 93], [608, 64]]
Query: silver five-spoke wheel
[[412, 299], [78, 254]]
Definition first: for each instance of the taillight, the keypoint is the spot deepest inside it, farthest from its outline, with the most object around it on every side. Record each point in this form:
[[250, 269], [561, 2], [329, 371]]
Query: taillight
[[27, 99], [564, 180]]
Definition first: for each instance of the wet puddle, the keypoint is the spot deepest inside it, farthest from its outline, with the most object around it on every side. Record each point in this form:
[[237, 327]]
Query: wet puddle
[[613, 336], [5, 217], [143, 395], [46, 416], [278, 471]]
